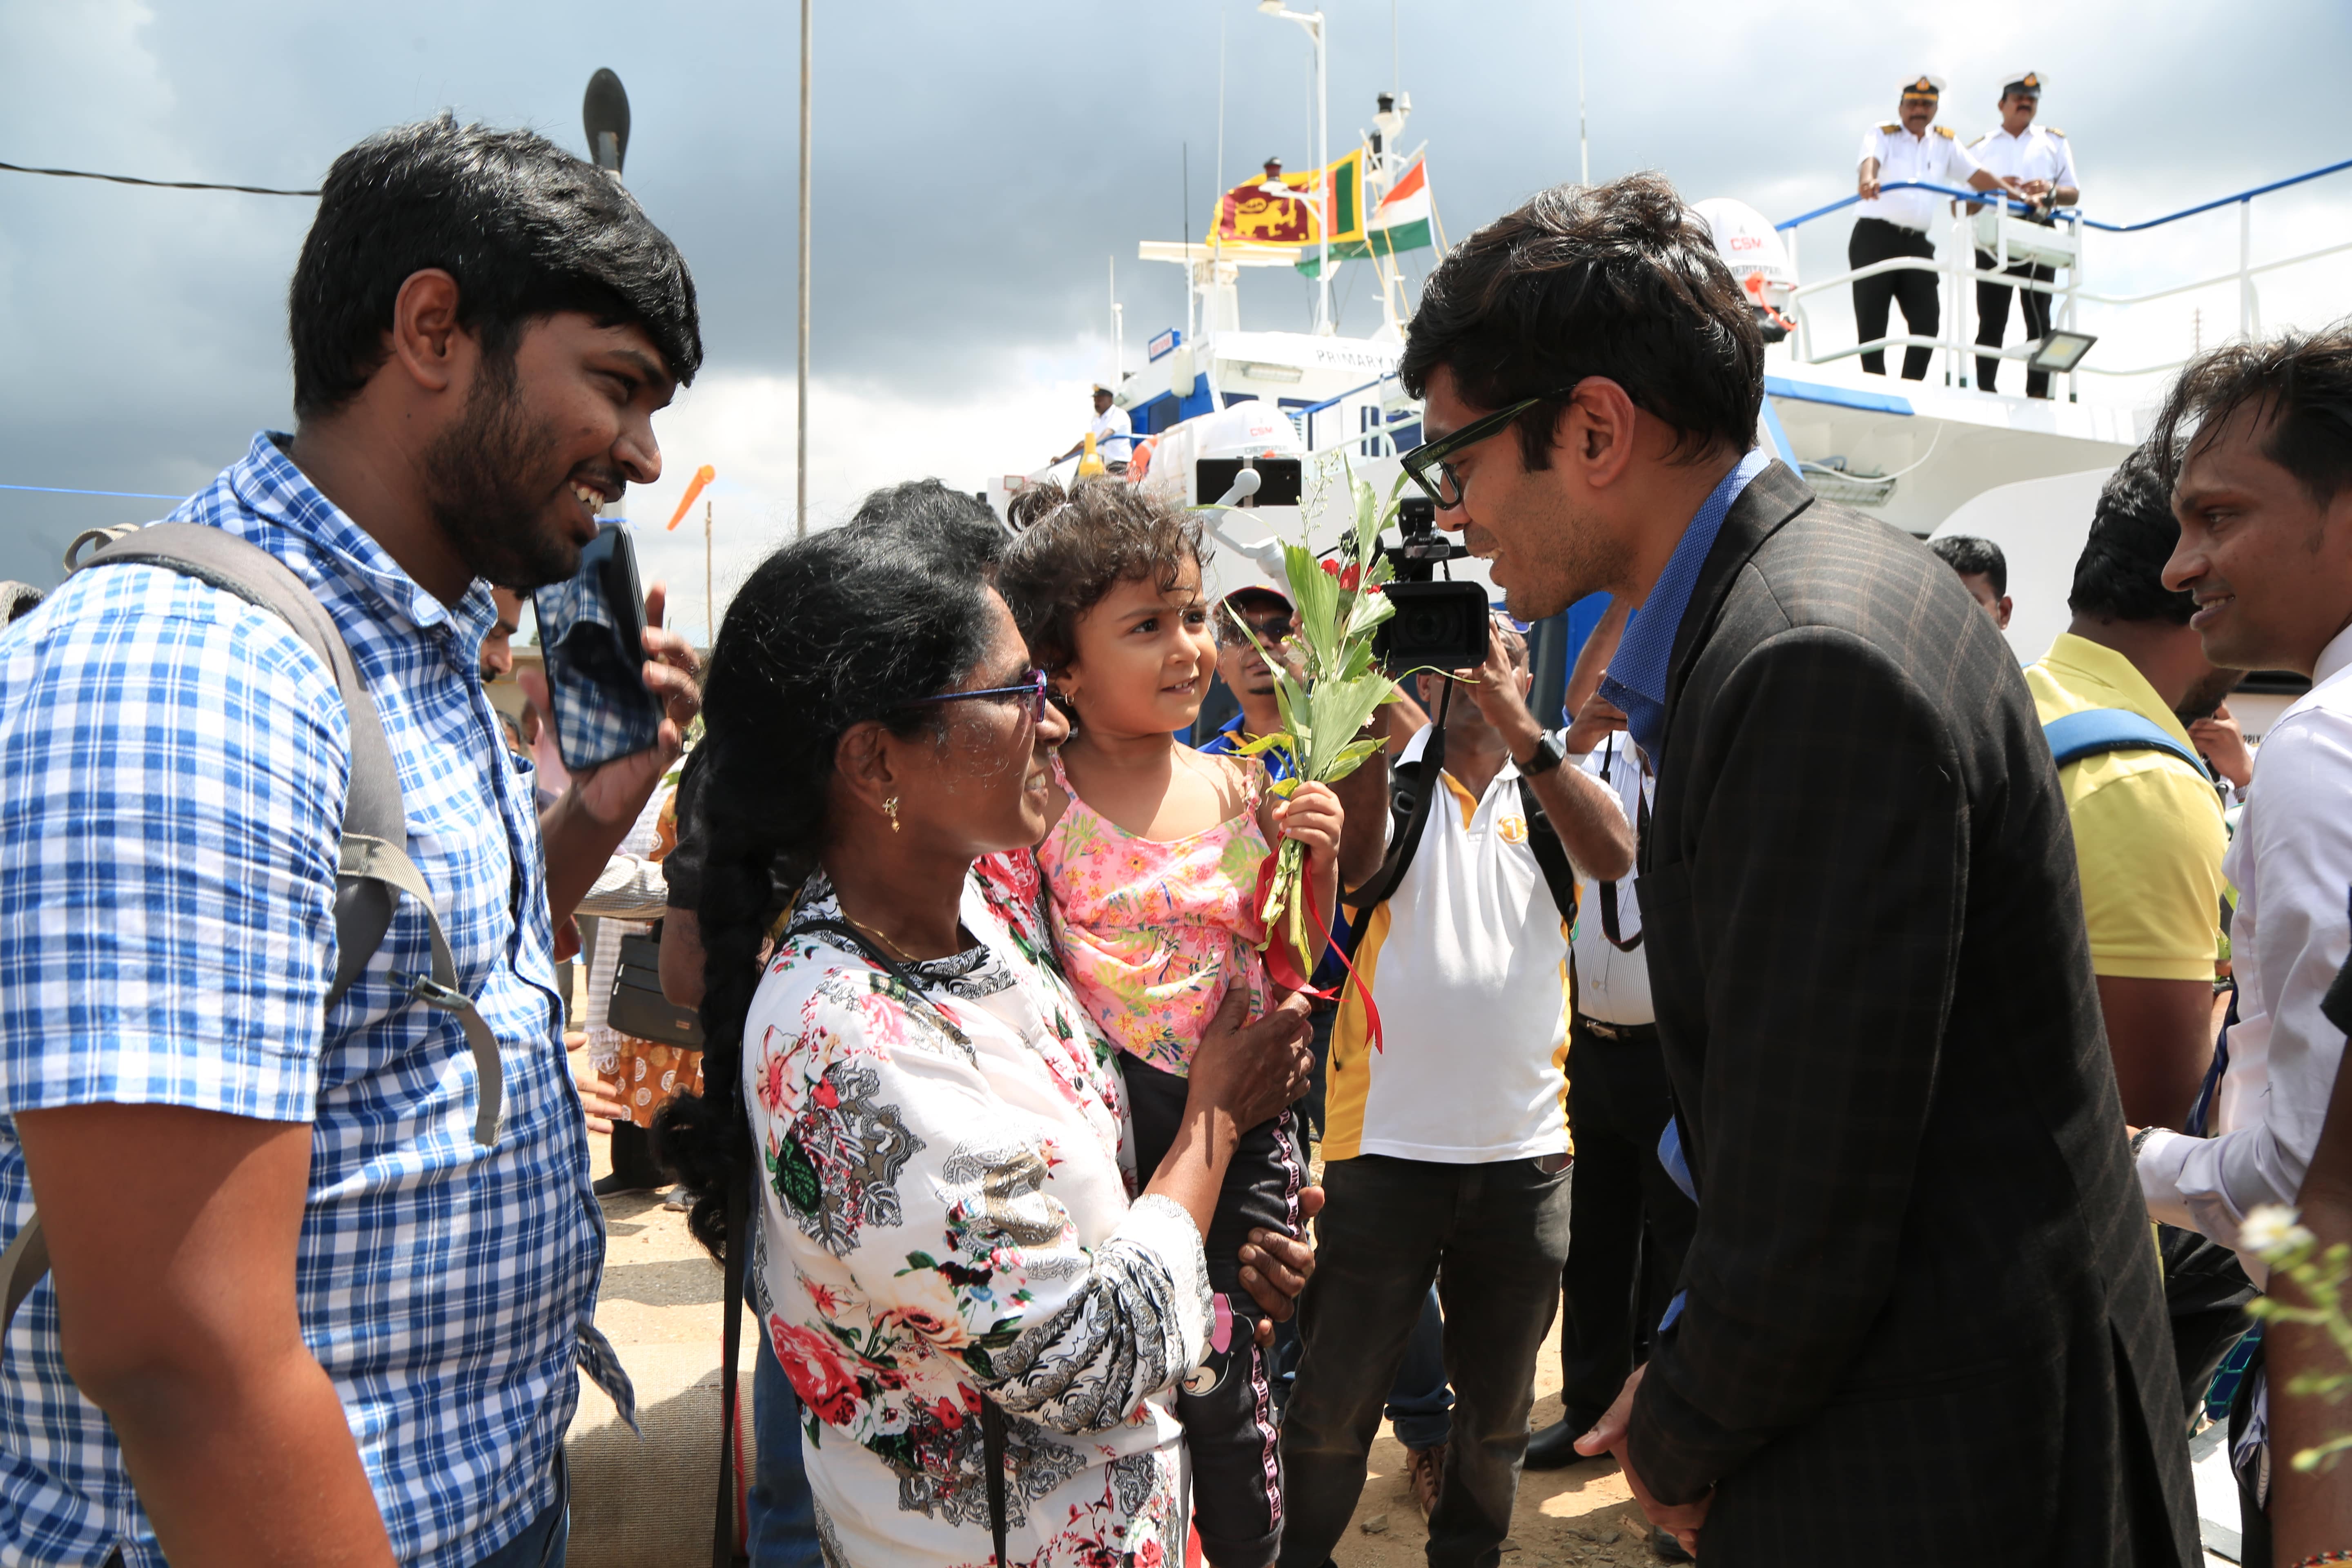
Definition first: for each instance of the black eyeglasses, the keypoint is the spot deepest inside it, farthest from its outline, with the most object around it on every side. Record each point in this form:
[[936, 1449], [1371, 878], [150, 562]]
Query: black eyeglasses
[[1427, 462], [1033, 686]]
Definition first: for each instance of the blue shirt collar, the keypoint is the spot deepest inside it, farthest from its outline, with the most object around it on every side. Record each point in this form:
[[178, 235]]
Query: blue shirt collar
[[269, 487], [1636, 682]]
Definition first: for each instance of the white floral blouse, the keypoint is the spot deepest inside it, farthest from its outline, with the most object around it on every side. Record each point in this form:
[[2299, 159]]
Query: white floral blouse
[[945, 1214]]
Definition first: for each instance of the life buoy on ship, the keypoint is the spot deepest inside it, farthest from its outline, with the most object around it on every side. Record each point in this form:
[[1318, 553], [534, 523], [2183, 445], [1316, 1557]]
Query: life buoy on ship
[[1140, 464]]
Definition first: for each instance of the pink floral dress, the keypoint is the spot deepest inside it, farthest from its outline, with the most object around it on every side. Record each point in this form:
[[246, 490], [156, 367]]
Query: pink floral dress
[[1153, 933]]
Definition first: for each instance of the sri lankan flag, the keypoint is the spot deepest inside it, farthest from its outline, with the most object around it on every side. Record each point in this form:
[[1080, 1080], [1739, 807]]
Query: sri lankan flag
[[1288, 214], [1400, 222]]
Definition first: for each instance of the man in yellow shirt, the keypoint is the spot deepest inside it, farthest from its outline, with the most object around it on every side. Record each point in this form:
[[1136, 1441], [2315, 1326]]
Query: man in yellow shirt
[[2148, 834]]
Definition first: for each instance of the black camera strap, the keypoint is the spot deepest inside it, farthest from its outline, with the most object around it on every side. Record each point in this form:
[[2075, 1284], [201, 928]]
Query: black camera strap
[[1609, 928], [1412, 786]]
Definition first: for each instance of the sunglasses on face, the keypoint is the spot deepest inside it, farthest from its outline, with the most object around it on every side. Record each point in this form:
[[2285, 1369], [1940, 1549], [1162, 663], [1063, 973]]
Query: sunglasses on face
[[1428, 463], [1033, 686], [1273, 631]]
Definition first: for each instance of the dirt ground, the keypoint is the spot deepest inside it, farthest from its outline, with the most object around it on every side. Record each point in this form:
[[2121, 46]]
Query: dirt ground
[[1579, 1515]]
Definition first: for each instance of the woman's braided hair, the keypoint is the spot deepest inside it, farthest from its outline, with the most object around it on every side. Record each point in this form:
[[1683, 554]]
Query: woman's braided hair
[[845, 626]]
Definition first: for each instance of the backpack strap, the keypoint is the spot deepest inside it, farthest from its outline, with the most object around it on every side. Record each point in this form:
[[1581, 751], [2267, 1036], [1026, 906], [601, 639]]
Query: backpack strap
[[372, 867], [2097, 731]]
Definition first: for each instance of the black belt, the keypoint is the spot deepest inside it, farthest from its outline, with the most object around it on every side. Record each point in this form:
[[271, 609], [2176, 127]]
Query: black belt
[[1636, 1032]]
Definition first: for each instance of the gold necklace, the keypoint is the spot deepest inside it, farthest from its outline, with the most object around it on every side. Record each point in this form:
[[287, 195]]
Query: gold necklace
[[879, 937]]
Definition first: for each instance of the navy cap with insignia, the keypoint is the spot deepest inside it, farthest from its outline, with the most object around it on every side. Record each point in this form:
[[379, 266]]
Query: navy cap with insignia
[[1923, 85], [2029, 82]]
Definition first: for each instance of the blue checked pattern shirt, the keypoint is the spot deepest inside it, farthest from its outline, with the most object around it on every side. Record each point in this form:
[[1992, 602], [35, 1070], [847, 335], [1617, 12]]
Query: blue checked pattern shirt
[[172, 765], [1636, 682]]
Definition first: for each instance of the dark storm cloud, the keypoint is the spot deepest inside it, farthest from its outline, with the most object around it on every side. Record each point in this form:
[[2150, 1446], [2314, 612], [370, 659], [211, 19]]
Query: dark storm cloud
[[976, 165]]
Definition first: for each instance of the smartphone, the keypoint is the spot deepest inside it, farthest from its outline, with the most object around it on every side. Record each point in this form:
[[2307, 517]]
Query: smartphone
[[592, 632]]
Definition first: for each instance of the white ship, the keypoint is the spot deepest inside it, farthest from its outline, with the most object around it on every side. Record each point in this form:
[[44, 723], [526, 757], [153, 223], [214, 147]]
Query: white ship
[[1218, 394]]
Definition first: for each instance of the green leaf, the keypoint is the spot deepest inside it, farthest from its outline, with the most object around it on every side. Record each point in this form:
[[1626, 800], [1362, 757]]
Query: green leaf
[[1370, 610], [1316, 593], [1352, 756]]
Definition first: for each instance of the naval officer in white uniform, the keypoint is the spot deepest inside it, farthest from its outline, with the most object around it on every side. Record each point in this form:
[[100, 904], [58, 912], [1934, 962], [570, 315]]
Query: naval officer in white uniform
[[2042, 162], [1111, 430], [1895, 223]]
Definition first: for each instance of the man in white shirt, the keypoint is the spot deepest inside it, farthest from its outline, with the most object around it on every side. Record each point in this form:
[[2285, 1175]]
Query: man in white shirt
[[2264, 498], [1446, 1142], [2042, 162], [2261, 435], [1888, 224], [1111, 428], [1629, 1224]]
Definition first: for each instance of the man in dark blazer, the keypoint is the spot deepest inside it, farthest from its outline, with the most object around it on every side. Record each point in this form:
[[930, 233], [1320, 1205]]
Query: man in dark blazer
[[1921, 1314]]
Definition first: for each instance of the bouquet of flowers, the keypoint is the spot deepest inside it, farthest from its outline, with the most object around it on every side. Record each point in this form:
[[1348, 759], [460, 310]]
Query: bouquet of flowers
[[1333, 690]]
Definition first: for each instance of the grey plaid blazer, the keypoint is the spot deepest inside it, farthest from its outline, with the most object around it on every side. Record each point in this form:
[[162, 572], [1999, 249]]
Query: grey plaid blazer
[[1924, 1314]]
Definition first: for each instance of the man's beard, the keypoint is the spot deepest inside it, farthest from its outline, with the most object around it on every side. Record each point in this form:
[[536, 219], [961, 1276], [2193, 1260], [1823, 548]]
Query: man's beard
[[1574, 557], [477, 477], [2204, 697]]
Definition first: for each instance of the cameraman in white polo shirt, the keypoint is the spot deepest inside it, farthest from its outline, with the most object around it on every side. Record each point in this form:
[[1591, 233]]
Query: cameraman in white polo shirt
[[1446, 1143]]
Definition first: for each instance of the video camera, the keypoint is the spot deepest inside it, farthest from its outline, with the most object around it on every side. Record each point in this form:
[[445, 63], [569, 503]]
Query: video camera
[[1437, 626]]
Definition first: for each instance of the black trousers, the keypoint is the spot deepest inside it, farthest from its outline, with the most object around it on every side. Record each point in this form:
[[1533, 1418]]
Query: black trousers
[[1500, 1230], [1630, 1224], [1875, 239], [1227, 1406], [1992, 319], [2205, 1295]]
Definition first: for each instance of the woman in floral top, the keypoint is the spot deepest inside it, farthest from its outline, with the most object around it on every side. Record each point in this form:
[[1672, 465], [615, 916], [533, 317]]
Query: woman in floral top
[[944, 1214]]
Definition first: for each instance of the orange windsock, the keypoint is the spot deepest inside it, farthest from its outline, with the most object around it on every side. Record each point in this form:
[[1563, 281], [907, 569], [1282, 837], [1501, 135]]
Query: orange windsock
[[702, 476]]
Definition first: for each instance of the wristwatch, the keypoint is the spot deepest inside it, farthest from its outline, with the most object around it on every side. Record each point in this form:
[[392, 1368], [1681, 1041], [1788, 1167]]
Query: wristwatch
[[1549, 754]]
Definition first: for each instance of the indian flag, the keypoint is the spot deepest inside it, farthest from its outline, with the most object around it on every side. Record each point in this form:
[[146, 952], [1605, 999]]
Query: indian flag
[[1400, 222]]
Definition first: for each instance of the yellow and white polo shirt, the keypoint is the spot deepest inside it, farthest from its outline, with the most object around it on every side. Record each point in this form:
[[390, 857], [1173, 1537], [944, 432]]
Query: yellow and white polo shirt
[[1468, 964]]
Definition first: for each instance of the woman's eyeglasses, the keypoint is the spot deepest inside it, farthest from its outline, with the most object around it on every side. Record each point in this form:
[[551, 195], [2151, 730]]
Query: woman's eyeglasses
[[1033, 686], [1427, 462]]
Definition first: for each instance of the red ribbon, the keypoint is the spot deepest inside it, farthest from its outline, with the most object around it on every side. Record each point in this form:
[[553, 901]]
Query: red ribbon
[[1285, 974]]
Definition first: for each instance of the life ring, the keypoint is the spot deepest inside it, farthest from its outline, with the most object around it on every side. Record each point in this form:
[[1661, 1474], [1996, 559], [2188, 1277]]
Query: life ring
[[1140, 463]]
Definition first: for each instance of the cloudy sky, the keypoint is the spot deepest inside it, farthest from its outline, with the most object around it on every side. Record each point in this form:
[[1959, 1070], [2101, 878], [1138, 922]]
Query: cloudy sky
[[978, 166]]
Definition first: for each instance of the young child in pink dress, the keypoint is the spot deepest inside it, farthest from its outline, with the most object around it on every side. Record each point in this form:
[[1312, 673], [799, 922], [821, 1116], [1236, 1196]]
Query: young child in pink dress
[[1153, 859]]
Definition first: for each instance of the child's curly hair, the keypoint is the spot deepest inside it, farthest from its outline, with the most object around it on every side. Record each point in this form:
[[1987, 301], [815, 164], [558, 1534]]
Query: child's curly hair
[[1076, 546]]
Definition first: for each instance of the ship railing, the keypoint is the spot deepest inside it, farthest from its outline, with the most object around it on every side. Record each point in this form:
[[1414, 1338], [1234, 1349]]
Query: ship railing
[[1958, 299], [1376, 440]]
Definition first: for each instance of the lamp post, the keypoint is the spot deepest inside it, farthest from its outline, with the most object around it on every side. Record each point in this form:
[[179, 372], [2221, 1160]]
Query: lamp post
[[800, 401], [1313, 22], [605, 115]]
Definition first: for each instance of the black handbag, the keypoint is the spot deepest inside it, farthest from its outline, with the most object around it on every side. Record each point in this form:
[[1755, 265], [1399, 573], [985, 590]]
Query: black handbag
[[638, 1009]]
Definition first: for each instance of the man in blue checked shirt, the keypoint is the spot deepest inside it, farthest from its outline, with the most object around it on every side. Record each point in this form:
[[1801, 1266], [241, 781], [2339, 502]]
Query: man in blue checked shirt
[[306, 1318]]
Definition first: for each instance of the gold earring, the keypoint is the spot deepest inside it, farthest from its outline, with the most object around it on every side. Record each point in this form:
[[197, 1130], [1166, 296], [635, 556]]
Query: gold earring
[[890, 810]]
